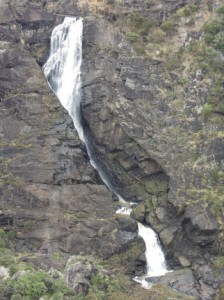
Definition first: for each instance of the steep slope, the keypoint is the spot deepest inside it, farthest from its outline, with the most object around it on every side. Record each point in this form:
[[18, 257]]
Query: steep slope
[[49, 192], [152, 100]]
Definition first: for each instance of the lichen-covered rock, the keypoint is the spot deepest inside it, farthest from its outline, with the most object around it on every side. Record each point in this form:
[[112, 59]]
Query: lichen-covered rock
[[138, 213], [182, 281], [77, 276], [200, 225], [19, 274], [4, 273], [220, 294]]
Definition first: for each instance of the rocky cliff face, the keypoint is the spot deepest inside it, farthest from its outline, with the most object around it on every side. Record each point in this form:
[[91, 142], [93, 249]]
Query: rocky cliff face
[[49, 192], [145, 104]]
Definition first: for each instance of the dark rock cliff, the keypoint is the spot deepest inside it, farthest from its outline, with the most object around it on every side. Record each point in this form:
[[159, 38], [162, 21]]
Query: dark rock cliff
[[49, 192], [144, 104]]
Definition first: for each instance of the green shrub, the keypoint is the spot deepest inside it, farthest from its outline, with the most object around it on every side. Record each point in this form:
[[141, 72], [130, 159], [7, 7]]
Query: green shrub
[[220, 10], [13, 269], [59, 285], [216, 96], [169, 27], [189, 9], [219, 263], [106, 284], [150, 3], [220, 293], [140, 24], [182, 81], [157, 35], [207, 109], [172, 62], [57, 256], [211, 29], [214, 31], [194, 46], [16, 297], [140, 51], [218, 41], [57, 296], [132, 37], [6, 257], [35, 284], [32, 285]]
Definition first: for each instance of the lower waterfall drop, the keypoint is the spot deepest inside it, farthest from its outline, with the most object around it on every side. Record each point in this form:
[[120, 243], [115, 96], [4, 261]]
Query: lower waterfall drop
[[156, 264], [63, 73]]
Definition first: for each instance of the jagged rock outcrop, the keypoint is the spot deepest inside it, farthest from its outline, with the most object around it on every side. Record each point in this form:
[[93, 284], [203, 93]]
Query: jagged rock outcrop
[[146, 144]]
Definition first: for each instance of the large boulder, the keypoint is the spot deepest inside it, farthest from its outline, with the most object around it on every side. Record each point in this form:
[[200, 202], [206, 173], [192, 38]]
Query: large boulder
[[77, 276], [182, 281]]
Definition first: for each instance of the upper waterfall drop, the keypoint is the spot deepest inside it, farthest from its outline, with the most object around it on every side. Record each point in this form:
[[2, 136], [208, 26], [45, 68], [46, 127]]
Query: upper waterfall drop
[[63, 67], [63, 73]]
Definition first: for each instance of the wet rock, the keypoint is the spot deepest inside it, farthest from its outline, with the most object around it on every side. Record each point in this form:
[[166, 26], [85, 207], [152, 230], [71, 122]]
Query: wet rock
[[182, 281], [125, 237], [138, 213], [131, 259], [127, 224]]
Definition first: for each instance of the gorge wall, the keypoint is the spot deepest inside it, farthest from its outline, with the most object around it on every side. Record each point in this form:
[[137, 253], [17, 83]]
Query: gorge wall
[[157, 124]]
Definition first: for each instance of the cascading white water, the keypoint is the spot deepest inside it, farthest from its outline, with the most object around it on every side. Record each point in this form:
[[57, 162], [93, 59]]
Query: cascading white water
[[63, 72], [63, 68], [156, 264], [155, 259]]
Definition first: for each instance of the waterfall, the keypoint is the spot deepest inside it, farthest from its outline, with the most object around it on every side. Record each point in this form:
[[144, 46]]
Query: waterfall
[[63, 68], [156, 264], [63, 73]]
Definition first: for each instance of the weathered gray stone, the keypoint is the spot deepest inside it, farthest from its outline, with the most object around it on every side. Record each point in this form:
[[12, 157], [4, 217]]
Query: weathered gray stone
[[160, 213], [77, 276], [182, 281], [19, 274], [127, 224], [202, 218], [167, 235], [4, 273], [184, 262], [207, 291], [138, 213]]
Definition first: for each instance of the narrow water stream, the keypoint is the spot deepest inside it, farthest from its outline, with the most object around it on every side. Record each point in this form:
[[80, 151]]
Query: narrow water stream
[[63, 73]]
